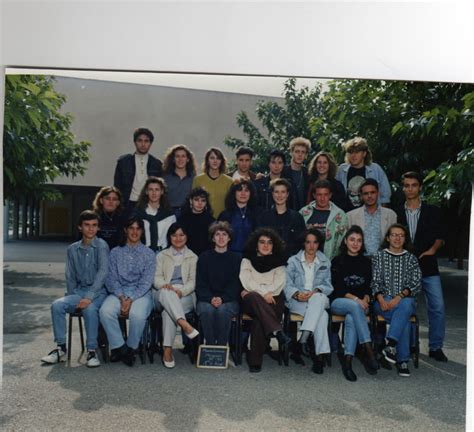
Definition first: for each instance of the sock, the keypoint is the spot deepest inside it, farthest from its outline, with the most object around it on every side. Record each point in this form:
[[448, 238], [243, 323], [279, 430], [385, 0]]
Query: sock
[[304, 336], [63, 347]]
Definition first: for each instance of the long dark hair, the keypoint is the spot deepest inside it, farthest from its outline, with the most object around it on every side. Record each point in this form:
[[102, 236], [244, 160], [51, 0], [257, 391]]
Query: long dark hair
[[143, 198], [196, 192], [354, 229], [231, 202], [175, 226], [220, 155], [312, 231], [252, 242], [169, 164], [104, 191]]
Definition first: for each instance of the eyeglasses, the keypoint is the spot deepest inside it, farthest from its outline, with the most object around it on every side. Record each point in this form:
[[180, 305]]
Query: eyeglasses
[[395, 235]]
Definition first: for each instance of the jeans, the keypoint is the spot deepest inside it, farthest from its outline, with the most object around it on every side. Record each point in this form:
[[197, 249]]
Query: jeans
[[433, 292], [216, 322], [137, 316], [400, 326], [356, 328], [68, 304]]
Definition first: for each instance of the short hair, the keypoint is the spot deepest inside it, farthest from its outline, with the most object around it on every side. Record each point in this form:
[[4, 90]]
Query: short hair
[[143, 131], [312, 171], [358, 144], [87, 215], [230, 201], [220, 226], [413, 175], [369, 182], [354, 229], [98, 207], [320, 184], [196, 192], [407, 244], [252, 242], [143, 197], [277, 153], [220, 155], [280, 182], [243, 150], [128, 223], [300, 141], [175, 226], [312, 231], [169, 164]]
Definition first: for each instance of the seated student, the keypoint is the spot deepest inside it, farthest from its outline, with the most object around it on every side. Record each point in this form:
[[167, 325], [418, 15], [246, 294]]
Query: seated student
[[131, 271], [153, 208], [308, 284], [396, 280], [108, 205], [195, 218], [218, 286], [86, 270], [179, 170], [240, 212], [243, 160], [175, 280], [262, 274], [214, 180], [288, 223], [323, 166], [276, 162], [351, 276]]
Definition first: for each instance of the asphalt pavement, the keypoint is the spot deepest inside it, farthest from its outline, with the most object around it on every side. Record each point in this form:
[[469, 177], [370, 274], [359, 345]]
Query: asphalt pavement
[[146, 397]]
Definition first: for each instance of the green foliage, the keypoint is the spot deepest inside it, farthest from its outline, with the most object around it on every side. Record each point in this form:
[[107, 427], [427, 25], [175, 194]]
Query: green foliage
[[38, 145], [281, 123]]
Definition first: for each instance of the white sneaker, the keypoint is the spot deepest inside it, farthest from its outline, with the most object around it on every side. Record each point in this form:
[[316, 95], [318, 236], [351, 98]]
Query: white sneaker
[[55, 356], [92, 360]]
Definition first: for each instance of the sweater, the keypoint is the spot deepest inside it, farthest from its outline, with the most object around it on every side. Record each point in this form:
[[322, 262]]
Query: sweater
[[272, 281], [111, 229], [196, 227], [217, 189], [351, 275]]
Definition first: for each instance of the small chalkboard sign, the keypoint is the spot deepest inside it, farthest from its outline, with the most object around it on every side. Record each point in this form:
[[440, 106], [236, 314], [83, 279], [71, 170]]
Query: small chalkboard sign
[[213, 357]]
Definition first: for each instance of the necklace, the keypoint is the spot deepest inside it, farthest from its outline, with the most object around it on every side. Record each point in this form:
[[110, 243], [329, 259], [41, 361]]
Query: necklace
[[243, 212]]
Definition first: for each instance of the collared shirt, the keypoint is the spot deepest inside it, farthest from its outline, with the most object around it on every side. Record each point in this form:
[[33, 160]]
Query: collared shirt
[[413, 215], [178, 188], [372, 231], [308, 272], [141, 162], [132, 270], [87, 267]]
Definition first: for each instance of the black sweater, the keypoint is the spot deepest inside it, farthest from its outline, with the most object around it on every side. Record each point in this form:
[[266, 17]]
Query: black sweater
[[197, 229], [351, 275], [217, 275]]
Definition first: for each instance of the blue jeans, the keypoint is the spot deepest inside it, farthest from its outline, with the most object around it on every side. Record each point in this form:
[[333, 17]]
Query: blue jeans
[[138, 314], [216, 322], [356, 328], [433, 292], [68, 304], [400, 326]]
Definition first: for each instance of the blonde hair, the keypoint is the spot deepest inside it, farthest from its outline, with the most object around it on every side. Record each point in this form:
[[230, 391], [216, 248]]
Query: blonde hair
[[331, 161], [300, 141], [358, 144]]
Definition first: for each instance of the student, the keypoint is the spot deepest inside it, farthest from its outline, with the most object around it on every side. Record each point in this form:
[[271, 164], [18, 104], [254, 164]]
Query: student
[[108, 205], [214, 180], [240, 212], [132, 170], [396, 280], [426, 233], [131, 272], [195, 219], [359, 167], [86, 271], [296, 173], [179, 170], [153, 208], [276, 163], [288, 223], [243, 160], [218, 286], [325, 216]]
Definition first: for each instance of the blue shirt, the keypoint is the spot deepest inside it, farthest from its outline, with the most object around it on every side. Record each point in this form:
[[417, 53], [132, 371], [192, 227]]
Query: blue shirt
[[372, 231], [132, 270], [86, 268]]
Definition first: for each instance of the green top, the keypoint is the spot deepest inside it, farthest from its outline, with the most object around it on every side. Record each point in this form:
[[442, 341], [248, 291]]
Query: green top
[[217, 189]]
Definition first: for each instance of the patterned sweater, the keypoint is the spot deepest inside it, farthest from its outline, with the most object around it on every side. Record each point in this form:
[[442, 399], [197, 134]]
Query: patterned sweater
[[392, 273]]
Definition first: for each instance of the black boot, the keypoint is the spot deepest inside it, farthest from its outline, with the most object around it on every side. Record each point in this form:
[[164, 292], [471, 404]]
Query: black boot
[[318, 365], [129, 356], [370, 363], [347, 369], [116, 353]]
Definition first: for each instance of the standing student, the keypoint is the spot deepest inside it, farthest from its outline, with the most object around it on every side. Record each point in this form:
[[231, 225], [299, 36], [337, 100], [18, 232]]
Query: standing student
[[243, 161], [276, 163], [214, 180], [154, 210], [132, 170], [179, 170], [426, 232], [86, 271]]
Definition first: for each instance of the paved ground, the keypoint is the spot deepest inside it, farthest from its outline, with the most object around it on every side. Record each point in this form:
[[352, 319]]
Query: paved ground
[[149, 397]]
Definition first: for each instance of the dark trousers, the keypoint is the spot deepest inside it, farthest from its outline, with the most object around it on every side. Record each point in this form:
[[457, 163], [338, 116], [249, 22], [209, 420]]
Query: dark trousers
[[266, 319]]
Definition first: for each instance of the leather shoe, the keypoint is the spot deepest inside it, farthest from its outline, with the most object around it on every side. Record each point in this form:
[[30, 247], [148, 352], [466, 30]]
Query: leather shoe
[[318, 367], [129, 357], [168, 364], [255, 369], [438, 355]]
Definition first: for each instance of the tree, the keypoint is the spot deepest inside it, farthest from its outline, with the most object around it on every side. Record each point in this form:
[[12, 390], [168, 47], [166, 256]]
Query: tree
[[281, 123], [38, 145]]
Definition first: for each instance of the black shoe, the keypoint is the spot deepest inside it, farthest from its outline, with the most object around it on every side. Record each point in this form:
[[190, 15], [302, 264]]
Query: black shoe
[[129, 357], [318, 366], [255, 369], [403, 370], [347, 369], [390, 354], [438, 355], [283, 339], [116, 353], [384, 363], [305, 349], [297, 358]]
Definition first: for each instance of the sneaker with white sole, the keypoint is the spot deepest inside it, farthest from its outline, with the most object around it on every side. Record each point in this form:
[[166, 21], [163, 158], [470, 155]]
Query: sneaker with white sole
[[390, 354], [55, 356], [403, 370], [92, 360]]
